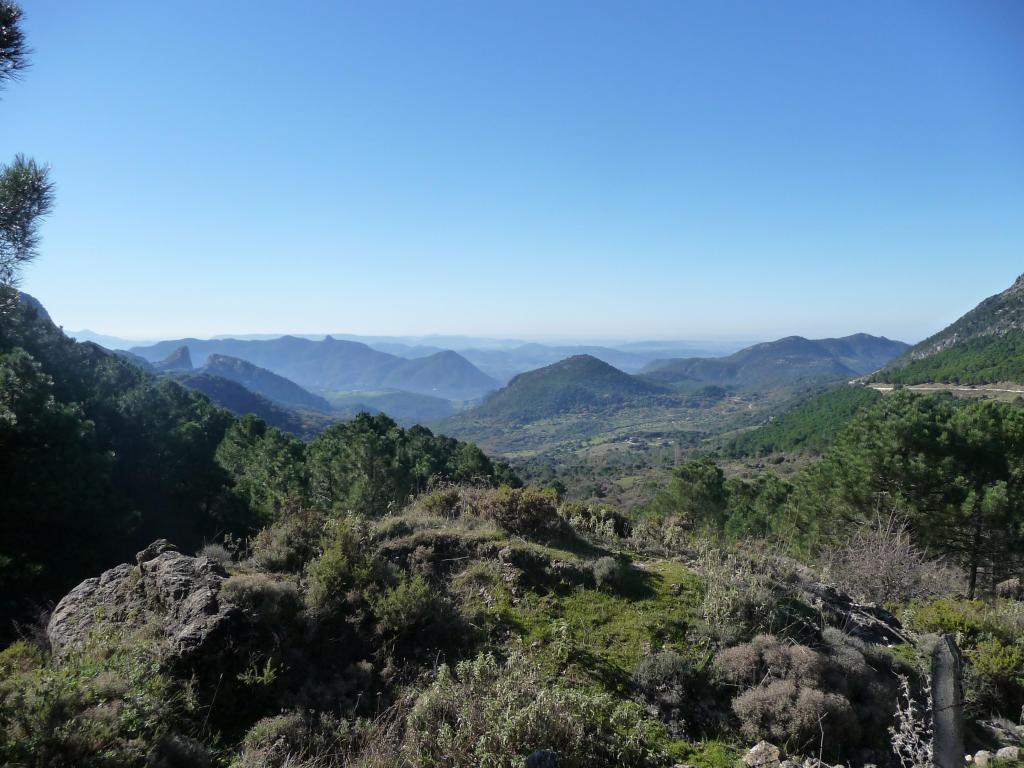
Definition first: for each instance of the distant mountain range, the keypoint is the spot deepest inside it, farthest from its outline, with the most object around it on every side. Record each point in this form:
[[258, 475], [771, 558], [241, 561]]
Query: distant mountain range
[[240, 400], [583, 399], [984, 346], [775, 363], [333, 365], [113, 343], [264, 382]]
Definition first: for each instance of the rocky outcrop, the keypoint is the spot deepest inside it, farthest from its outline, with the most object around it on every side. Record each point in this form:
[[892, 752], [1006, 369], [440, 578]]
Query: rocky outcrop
[[179, 360], [866, 621], [174, 595], [1010, 589], [762, 755]]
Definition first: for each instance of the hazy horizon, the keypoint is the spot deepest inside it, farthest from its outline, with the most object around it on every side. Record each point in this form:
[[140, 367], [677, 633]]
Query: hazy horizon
[[579, 171]]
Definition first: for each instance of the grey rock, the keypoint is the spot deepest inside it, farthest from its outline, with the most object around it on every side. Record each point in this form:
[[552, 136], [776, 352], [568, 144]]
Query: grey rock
[[1008, 754], [1011, 588], [158, 547], [175, 593], [866, 621], [762, 755], [982, 758]]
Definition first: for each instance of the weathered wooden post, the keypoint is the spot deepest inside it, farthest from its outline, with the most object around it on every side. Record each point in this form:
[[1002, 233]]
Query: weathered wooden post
[[947, 704]]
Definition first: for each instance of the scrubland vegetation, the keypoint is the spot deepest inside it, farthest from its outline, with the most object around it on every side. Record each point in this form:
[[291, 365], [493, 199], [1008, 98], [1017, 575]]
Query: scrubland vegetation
[[405, 604]]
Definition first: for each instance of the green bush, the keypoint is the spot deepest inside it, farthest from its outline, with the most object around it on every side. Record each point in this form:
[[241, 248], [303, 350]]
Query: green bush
[[216, 552], [970, 619], [346, 562], [485, 713], [744, 594], [666, 682], [445, 501], [607, 572], [995, 677], [527, 512], [107, 704], [596, 519], [410, 606], [998, 661], [990, 637], [294, 740], [273, 602], [290, 543]]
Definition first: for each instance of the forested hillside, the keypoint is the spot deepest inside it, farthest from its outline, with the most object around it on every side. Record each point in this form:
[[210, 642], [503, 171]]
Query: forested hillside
[[97, 450], [263, 382], [777, 363], [984, 346], [575, 384], [812, 425]]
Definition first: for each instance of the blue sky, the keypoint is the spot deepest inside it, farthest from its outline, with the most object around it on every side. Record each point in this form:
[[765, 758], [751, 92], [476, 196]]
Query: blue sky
[[535, 169]]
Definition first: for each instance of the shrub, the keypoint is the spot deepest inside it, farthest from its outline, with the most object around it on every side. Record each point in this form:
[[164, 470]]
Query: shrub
[[271, 601], [345, 562], [528, 512], [971, 620], [493, 714], [391, 528], [216, 552], [289, 543], [20, 657], [445, 501], [412, 605], [664, 681], [294, 740], [768, 658], [107, 703], [787, 688], [607, 572], [996, 675], [743, 594], [796, 716], [596, 519], [880, 563]]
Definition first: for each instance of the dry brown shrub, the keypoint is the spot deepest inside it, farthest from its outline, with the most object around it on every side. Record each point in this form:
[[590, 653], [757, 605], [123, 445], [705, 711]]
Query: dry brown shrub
[[880, 563]]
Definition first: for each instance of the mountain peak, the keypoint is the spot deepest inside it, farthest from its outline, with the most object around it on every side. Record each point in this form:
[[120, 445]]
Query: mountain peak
[[179, 360], [575, 384], [1016, 288]]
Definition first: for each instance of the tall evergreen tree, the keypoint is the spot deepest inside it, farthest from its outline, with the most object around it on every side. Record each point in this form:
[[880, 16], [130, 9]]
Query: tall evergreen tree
[[26, 191]]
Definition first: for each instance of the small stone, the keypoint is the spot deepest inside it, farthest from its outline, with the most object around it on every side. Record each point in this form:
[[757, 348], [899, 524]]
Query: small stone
[[982, 758], [1008, 755], [762, 755]]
